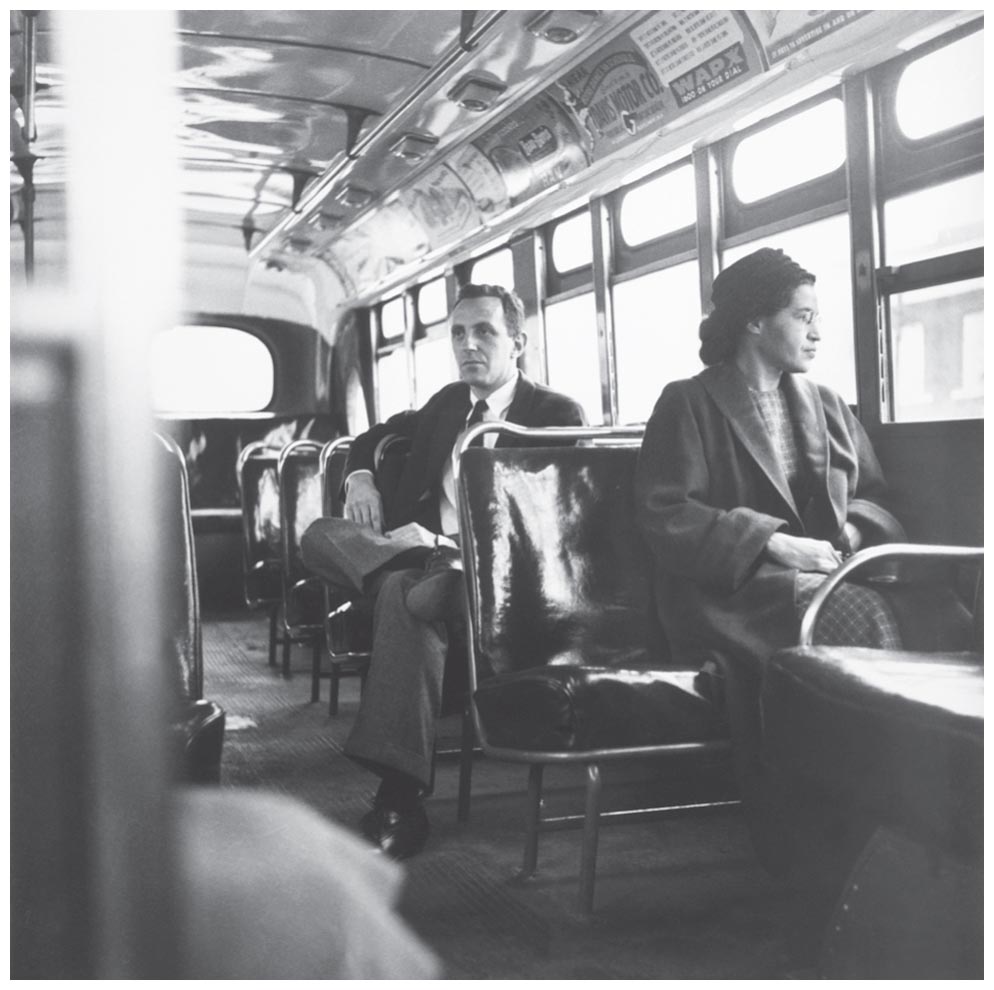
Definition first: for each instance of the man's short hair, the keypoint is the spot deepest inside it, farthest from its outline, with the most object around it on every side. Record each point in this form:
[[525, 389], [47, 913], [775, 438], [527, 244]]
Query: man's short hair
[[510, 303]]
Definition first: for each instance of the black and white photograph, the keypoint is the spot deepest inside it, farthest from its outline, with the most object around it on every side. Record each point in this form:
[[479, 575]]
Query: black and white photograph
[[496, 494]]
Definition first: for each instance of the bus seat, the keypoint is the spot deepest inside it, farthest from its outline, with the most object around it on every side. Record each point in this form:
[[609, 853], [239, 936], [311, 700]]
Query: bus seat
[[197, 725], [558, 586], [870, 752], [347, 616], [258, 489], [299, 486]]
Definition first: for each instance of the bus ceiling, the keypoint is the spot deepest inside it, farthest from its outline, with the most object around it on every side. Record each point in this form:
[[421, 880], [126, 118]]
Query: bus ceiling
[[376, 145]]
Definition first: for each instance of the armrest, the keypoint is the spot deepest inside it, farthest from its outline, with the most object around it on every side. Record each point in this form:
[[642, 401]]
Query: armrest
[[860, 560]]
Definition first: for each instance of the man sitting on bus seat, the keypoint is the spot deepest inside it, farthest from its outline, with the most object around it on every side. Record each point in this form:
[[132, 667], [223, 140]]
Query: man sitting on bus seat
[[401, 701]]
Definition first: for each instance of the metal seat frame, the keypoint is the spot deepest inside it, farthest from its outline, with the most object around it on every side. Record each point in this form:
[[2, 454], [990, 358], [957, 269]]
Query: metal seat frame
[[337, 612], [308, 633]]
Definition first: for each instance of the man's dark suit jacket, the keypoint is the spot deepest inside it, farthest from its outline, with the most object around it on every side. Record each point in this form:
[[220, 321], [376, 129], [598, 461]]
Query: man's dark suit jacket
[[433, 430]]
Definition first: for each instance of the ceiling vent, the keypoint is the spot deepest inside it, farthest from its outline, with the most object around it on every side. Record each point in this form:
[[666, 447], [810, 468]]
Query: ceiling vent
[[561, 27], [475, 94]]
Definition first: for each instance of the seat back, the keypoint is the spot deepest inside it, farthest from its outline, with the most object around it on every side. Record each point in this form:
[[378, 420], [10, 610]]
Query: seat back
[[181, 602], [331, 468], [557, 570], [389, 459], [300, 504], [258, 487]]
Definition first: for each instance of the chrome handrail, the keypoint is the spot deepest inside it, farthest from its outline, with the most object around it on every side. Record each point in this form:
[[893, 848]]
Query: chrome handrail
[[886, 551]]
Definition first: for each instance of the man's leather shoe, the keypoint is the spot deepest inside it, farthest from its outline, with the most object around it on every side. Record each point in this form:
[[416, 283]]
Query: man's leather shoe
[[400, 834]]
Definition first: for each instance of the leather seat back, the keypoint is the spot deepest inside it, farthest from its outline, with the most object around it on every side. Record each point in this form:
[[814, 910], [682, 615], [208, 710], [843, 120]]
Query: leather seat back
[[181, 604], [259, 490], [333, 499], [300, 504], [558, 569]]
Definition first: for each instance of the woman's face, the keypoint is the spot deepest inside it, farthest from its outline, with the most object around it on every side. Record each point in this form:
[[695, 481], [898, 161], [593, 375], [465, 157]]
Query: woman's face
[[788, 339]]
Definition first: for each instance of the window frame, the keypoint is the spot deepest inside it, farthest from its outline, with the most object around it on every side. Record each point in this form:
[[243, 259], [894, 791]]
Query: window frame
[[813, 200], [563, 283], [658, 252], [908, 164]]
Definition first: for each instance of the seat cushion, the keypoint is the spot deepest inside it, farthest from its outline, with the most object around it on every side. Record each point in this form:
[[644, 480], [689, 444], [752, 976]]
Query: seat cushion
[[570, 708], [895, 735]]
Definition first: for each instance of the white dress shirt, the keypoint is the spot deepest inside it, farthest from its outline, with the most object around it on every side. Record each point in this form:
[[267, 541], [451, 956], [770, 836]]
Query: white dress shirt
[[498, 403]]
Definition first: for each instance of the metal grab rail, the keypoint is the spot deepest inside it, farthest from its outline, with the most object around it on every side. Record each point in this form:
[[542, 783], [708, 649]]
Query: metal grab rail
[[626, 433], [887, 551]]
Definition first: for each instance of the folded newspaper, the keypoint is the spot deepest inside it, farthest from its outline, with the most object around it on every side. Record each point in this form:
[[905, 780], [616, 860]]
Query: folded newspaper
[[352, 553]]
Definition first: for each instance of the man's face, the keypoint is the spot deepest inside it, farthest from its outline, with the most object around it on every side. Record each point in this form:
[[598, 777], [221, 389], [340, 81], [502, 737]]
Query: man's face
[[485, 354]]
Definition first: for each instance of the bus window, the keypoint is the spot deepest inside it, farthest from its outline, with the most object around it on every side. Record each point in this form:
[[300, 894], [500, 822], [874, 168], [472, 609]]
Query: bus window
[[656, 317], [924, 108], [956, 220], [209, 369], [392, 318], [434, 367], [823, 249], [494, 269], [572, 354], [792, 151], [658, 207], [433, 302], [937, 349], [393, 388], [572, 245]]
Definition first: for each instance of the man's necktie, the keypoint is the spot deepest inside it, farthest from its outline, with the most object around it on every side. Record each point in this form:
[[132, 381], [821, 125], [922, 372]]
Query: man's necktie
[[476, 416]]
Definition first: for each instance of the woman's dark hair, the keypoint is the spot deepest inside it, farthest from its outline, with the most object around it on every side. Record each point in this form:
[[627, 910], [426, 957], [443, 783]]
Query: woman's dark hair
[[757, 285], [510, 303]]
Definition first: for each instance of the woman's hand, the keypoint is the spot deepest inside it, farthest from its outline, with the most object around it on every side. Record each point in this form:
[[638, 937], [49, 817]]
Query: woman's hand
[[803, 553], [853, 536], [363, 503]]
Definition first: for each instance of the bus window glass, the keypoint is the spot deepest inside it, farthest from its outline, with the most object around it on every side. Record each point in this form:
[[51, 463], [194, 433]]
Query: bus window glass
[[823, 249], [495, 269], [942, 89], [935, 221], [210, 370], [393, 389], [937, 348], [794, 150], [572, 244], [572, 354], [659, 207], [434, 366], [433, 303], [656, 318], [392, 318]]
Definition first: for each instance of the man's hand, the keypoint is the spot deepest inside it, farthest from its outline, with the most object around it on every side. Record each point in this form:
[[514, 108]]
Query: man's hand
[[363, 504], [803, 553]]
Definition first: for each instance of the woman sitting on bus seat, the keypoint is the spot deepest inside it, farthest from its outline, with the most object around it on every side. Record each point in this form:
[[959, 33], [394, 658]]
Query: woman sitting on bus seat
[[753, 483]]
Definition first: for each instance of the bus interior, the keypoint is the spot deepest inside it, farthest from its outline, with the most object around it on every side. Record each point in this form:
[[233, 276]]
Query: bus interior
[[236, 237]]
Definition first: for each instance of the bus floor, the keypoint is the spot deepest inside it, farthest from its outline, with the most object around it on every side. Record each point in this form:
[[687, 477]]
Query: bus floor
[[677, 898]]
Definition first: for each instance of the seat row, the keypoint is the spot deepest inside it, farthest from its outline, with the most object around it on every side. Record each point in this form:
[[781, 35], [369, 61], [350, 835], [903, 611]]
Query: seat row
[[282, 491], [564, 663]]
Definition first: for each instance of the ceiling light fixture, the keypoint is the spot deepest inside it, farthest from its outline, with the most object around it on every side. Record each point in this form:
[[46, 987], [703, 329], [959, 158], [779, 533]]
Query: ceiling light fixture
[[561, 27], [353, 196], [475, 94], [320, 220], [298, 243], [414, 148]]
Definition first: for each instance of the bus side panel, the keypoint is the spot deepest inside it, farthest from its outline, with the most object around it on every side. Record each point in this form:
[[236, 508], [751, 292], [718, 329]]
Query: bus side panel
[[936, 477]]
